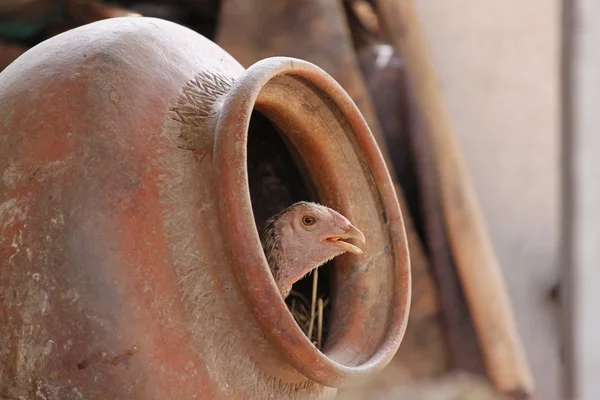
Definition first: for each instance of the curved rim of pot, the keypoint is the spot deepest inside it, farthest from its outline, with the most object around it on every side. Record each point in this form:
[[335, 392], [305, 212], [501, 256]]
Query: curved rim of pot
[[247, 256]]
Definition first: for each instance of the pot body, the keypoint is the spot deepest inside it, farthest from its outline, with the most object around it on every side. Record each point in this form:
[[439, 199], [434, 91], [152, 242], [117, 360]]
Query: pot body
[[118, 259], [102, 211]]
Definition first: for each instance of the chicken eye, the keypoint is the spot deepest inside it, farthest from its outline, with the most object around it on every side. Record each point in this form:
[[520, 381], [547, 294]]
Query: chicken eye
[[308, 220]]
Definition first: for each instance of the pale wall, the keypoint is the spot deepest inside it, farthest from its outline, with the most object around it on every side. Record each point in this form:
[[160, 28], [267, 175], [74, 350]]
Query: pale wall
[[498, 64]]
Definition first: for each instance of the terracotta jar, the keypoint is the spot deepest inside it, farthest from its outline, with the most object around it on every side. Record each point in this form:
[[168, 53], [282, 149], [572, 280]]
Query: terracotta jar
[[130, 261]]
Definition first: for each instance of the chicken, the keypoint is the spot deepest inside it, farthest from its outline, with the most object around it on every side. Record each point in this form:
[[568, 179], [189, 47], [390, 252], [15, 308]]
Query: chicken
[[303, 237]]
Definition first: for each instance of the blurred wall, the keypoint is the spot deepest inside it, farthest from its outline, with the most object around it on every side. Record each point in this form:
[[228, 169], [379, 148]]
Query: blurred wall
[[581, 195], [498, 65]]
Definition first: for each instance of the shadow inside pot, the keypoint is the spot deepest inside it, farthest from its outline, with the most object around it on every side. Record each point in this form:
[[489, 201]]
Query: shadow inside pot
[[276, 181]]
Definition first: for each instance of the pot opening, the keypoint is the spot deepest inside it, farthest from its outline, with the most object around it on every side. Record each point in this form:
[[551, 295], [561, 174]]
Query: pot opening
[[276, 182], [331, 145]]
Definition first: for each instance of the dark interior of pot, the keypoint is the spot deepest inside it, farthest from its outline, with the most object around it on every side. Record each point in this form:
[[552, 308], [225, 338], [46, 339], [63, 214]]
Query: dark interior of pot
[[276, 182]]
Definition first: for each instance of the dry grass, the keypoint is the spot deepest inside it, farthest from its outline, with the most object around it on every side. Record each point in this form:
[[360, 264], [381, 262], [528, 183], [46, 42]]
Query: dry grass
[[309, 313]]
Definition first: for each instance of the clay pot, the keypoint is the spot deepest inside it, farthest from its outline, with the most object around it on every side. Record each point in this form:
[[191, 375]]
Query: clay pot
[[131, 265]]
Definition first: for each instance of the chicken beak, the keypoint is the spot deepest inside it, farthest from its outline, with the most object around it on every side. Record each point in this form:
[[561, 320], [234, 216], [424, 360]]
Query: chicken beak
[[352, 233]]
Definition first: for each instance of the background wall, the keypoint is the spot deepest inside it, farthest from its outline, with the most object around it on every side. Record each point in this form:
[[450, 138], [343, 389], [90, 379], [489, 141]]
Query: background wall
[[498, 63]]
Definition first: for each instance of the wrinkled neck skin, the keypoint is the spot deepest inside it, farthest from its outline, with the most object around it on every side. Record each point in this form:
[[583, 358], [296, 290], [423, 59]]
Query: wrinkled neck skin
[[296, 258]]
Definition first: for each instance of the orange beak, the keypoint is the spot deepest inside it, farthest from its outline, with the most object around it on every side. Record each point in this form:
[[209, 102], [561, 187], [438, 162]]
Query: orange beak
[[353, 233]]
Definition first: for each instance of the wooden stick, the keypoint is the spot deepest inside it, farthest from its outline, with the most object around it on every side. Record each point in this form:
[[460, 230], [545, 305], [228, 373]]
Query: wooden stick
[[313, 304], [476, 262], [319, 322]]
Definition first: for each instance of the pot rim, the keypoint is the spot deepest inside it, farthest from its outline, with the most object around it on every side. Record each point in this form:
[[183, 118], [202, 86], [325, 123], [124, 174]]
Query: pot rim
[[247, 256]]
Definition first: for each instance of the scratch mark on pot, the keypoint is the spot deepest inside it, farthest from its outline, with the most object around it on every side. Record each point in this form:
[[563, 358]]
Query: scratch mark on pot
[[10, 176], [78, 393], [114, 97], [5, 396], [373, 258], [9, 209], [205, 207], [33, 174], [49, 347], [38, 391], [103, 358]]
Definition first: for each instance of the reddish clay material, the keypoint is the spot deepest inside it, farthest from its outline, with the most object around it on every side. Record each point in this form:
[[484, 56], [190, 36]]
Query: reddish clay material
[[131, 266]]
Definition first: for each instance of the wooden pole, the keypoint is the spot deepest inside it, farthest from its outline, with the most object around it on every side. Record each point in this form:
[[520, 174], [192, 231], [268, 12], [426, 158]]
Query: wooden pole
[[476, 261]]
